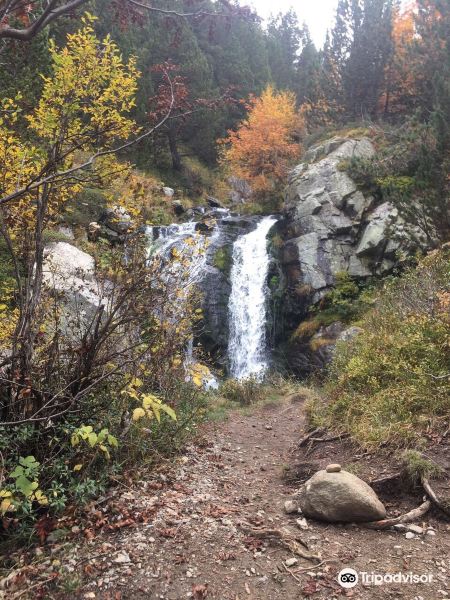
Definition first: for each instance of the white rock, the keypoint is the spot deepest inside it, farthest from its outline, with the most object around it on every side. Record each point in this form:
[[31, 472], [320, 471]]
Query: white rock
[[409, 535], [302, 524], [290, 507], [168, 192], [122, 558], [290, 562], [431, 532], [415, 529], [71, 271]]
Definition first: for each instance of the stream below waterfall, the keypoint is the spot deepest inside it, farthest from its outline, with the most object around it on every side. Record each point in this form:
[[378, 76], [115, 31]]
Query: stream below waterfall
[[245, 353]]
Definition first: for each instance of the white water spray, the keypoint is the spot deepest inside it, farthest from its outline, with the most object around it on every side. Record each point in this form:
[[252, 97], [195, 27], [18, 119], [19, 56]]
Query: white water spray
[[247, 304]]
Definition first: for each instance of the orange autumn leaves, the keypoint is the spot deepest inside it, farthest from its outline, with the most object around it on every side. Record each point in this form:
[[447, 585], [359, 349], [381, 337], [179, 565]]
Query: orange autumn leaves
[[266, 143]]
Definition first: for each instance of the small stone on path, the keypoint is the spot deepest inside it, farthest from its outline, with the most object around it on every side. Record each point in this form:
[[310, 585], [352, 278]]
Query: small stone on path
[[302, 524], [290, 507], [122, 558], [290, 562], [415, 529]]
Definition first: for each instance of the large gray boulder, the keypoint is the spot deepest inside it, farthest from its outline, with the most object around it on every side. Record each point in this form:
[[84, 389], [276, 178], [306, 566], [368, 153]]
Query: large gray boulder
[[340, 497], [70, 273]]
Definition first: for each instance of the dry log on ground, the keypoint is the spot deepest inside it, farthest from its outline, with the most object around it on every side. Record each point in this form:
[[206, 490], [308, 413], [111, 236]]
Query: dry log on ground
[[307, 437], [442, 505], [408, 517]]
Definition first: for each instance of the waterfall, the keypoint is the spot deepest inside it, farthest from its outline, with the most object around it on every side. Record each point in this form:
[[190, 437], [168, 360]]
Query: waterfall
[[247, 304], [191, 245], [181, 275]]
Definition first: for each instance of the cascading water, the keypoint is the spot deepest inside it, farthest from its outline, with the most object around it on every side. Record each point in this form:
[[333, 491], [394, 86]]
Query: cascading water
[[182, 274], [247, 305]]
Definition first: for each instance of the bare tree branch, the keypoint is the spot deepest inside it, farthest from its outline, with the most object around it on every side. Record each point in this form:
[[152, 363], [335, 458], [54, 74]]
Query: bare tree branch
[[9, 8], [175, 13], [50, 14]]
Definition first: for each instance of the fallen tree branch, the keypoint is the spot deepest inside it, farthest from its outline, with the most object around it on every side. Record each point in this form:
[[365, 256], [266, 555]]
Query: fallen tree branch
[[441, 504], [333, 438], [386, 479], [307, 437], [281, 538], [408, 517], [291, 573]]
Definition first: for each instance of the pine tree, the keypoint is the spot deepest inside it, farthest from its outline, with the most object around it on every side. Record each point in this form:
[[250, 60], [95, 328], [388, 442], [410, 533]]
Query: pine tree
[[369, 54], [308, 71], [355, 57], [284, 44], [400, 95]]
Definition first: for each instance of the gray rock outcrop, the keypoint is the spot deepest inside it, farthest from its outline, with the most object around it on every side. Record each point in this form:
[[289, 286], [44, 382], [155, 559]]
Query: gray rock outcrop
[[331, 225], [340, 497]]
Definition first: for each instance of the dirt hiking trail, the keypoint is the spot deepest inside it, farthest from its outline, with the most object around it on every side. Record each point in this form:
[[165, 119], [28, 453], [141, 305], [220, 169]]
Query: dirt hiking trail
[[195, 539]]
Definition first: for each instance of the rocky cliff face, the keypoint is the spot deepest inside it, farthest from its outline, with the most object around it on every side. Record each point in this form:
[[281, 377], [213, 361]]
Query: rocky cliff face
[[331, 226]]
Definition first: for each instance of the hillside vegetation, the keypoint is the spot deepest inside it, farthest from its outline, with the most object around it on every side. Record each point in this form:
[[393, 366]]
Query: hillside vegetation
[[391, 383]]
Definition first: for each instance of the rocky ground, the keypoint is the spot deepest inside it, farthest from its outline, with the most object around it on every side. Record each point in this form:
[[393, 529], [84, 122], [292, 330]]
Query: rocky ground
[[210, 527]]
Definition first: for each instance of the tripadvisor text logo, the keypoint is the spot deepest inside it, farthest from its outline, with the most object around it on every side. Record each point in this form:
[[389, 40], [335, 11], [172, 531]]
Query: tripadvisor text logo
[[348, 578]]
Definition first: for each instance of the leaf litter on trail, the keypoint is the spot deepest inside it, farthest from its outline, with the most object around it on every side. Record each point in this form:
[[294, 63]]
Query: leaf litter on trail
[[200, 591]]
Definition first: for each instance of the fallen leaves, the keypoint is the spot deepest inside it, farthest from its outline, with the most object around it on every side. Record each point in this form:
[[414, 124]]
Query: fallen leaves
[[310, 588], [217, 511], [200, 591], [252, 543], [224, 555], [168, 532], [44, 526]]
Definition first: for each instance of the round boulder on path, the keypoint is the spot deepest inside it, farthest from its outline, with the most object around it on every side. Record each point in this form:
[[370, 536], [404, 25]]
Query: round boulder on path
[[340, 497]]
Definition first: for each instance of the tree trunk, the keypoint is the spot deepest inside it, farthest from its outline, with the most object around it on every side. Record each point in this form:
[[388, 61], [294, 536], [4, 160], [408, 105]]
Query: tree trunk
[[23, 404], [176, 158]]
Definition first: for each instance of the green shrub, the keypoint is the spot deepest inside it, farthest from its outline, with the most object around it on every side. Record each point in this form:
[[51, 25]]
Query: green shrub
[[245, 392], [53, 235], [347, 301], [417, 466], [391, 383]]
